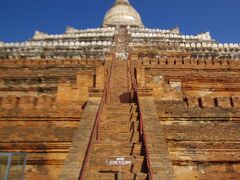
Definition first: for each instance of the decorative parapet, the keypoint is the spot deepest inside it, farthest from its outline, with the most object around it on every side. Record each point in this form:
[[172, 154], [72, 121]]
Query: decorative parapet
[[58, 43], [214, 45], [175, 30], [70, 30], [39, 35], [76, 33], [73, 35], [147, 30], [205, 36], [100, 39], [172, 34]]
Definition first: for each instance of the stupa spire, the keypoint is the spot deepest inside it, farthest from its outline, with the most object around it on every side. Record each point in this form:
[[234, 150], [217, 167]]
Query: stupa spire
[[122, 13]]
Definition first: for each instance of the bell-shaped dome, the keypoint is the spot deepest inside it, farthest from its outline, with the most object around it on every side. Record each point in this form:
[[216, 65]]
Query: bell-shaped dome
[[122, 13]]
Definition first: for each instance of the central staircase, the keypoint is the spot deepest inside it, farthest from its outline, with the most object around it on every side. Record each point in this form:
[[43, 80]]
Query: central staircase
[[118, 132], [116, 127]]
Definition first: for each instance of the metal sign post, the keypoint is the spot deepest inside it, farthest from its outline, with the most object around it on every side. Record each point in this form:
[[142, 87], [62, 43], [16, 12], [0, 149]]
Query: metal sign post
[[120, 173], [120, 161]]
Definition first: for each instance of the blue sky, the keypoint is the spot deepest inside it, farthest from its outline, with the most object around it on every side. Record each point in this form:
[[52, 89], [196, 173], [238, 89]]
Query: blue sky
[[20, 18]]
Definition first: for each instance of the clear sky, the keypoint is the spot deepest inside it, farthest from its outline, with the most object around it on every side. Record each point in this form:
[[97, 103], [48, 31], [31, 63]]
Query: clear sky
[[20, 18]]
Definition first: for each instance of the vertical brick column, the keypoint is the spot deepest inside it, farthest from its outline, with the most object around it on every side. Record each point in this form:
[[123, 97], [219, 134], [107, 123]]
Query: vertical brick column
[[68, 92], [100, 77], [141, 76]]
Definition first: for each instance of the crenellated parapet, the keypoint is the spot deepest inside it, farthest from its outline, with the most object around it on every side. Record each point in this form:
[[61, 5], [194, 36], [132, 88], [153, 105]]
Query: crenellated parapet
[[40, 63], [211, 102], [27, 102]]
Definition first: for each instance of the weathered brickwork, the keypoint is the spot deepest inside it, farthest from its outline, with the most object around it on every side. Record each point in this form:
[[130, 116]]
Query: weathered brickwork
[[188, 104], [41, 103], [198, 108]]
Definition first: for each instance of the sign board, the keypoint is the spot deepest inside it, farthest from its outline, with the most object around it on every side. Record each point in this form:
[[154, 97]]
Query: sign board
[[120, 161]]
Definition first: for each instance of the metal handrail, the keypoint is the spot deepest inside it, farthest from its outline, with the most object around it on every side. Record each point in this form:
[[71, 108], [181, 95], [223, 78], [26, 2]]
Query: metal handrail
[[142, 132], [9, 164], [95, 131]]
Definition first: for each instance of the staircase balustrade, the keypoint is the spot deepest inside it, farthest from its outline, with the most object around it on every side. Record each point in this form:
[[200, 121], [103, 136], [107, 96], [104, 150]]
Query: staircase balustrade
[[142, 134], [95, 131]]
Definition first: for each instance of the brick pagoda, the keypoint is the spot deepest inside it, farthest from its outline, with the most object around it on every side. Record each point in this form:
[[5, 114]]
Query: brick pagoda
[[169, 101]]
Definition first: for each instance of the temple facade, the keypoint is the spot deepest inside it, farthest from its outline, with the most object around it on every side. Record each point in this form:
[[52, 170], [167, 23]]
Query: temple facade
[[80, 101]]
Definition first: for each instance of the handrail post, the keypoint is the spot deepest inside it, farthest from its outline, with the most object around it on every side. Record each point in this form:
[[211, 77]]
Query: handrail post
[[97, 134]]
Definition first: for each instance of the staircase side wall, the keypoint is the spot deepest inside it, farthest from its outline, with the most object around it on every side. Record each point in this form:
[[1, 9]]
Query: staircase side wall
[[155, 141], [77, 152]]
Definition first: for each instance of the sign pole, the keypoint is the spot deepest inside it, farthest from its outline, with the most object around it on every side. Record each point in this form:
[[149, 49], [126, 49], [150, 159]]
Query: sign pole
[[120, 173], [120, 161]]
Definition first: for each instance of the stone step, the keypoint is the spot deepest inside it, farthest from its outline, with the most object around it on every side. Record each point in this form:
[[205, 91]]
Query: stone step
[[132, 136], [119, 137], [95, 175], [118, 149], [111, 130], [120, 121], [115, 123], [122, 108], [101, 165], [116, 145], [118, 127], [123, 117], [135, 140], [118, 113], [132, 125], [119, 105], [121, 152], [106, 167], [129, 108]]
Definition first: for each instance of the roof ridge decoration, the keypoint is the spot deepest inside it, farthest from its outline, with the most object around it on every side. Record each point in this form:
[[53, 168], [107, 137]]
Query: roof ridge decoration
[[122, 14], [70, 30], [175, 30], [205, 36], [39, 35]]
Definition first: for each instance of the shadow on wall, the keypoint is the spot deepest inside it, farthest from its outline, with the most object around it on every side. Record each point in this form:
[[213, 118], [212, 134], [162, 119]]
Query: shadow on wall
[[125, 97], [38, 166]]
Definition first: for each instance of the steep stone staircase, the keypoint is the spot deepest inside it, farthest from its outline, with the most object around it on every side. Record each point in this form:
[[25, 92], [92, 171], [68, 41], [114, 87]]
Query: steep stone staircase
[[119, 132], [116, 128]]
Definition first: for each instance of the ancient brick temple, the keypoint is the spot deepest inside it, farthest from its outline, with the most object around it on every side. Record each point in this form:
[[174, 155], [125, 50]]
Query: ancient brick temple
[[168, 101]]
